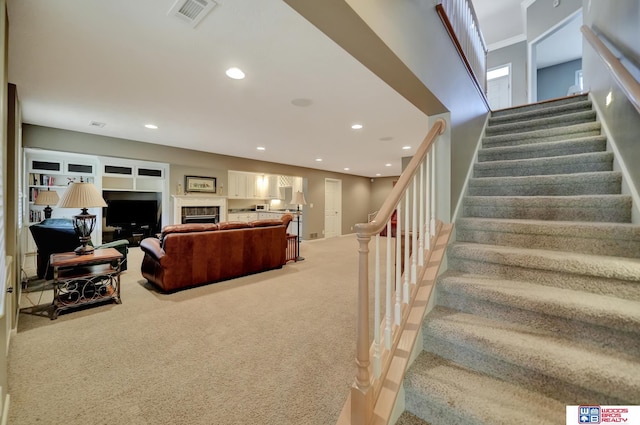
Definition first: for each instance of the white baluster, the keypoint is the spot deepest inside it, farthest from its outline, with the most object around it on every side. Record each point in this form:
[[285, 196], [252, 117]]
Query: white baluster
[[376, 313], [406, 264], [428, 202], [398, 308], [388, 308], [414, 231], [433, 189], [421, 249]]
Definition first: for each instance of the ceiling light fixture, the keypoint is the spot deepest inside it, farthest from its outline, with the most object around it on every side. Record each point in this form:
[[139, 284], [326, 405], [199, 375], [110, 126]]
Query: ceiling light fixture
[[406, 148], [387, 165], [151, 126], [235, 73], [346, 168], [356, 126], [318, 159], [378, 174], [261, 148]]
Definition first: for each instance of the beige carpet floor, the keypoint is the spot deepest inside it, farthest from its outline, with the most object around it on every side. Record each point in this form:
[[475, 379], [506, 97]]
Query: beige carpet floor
[[272, 348]]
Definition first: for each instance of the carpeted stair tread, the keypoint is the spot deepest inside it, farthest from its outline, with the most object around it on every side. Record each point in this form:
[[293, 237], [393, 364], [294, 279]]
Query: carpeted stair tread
[[543, 123], [410, 419], [619, 268], [601, 310], [613, 239], [569, 164], [584, 105], [444, 393], [603, 208], [572, 146], [541, 105], [602, 182], [539, 136], [529, 348]]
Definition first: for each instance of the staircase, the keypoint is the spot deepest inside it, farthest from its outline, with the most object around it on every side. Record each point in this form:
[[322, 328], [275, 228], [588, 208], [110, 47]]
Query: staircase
[[540, 306]]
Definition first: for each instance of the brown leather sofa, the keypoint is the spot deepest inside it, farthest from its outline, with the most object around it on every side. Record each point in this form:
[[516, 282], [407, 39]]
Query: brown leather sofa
[[193, 254]]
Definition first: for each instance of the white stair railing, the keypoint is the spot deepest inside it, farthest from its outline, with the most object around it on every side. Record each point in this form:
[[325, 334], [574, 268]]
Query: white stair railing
[[401, 263]]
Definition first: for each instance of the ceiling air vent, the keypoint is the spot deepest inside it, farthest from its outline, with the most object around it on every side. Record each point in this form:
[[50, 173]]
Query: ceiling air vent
[[191, 11]]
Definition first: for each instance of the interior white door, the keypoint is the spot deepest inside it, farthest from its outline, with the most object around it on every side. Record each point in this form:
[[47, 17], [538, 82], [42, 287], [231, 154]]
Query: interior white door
[[332, 208], [499, 92]]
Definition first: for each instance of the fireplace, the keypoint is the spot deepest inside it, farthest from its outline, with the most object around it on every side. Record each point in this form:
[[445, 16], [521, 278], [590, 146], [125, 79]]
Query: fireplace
[[199, 209], [200, 215]]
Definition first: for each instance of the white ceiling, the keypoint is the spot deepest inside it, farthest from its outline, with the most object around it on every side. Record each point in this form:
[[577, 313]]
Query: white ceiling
[[126, 63]]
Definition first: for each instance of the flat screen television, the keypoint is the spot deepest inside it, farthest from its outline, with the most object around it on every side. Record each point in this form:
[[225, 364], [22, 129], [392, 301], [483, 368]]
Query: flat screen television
[[131, 213]]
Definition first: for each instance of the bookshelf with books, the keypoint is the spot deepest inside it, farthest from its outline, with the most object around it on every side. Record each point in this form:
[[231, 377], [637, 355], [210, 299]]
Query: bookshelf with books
[[49, 170]]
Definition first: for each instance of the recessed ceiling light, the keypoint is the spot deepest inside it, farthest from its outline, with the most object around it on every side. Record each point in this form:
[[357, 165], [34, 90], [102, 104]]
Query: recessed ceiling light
[[387, 165], [261, 148], [356, 126], [318, 159], [151, 126], [235, 73], [346, 168], [406, 148], [378, 174]]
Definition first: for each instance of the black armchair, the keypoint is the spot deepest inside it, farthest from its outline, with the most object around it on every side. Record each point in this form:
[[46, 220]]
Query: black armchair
[[54, 235]]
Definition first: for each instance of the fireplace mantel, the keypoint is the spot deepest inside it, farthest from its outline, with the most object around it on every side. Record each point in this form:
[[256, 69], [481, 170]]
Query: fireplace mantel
[[180, 201]]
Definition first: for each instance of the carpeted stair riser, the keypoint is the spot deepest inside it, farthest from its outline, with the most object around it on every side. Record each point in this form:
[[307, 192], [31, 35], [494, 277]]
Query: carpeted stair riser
[[469, 357], [544, 150], [444, 393], [541, 124], [542, 136], [594, 284], [612, 239], [602, 321], [600, 183], [605, 208], [540, 106], [570, 164], [541, 113], [540, 361]]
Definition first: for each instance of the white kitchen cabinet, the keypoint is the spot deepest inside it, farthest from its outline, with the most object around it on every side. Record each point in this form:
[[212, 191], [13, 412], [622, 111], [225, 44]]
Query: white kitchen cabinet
[[243, 216]]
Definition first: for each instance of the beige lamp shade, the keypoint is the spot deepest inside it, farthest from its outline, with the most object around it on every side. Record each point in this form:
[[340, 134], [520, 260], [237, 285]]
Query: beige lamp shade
[[81, 195], [47, 197], [298, 198]]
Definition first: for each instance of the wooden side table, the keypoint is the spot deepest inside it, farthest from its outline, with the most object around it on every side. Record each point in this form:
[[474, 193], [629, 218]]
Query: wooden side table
[[80, 280]]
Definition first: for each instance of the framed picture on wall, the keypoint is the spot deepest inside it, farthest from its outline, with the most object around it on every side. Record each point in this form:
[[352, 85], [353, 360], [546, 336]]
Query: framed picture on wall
[[199, 184]]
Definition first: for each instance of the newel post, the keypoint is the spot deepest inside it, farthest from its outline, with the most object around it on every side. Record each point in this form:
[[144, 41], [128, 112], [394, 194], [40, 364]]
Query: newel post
[[362, 389]]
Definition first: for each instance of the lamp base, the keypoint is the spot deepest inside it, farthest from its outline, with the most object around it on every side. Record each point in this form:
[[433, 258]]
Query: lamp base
[[84, 250]]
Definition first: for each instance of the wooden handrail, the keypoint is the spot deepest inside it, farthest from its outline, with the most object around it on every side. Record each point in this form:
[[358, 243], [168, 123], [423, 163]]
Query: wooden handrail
[[628, 84], [384, 213], [409, 271]]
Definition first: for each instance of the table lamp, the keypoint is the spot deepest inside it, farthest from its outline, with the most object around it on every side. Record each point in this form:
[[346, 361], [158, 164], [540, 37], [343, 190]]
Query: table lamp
[[82, 195], [298, 199], [48, 198]]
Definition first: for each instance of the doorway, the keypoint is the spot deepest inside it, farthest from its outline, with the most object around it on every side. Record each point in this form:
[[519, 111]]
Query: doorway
[[332, 208], [561, 44], [499, 87]]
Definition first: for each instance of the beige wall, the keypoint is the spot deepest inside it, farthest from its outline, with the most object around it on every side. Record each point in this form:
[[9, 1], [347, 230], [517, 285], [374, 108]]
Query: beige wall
[[355, 190]]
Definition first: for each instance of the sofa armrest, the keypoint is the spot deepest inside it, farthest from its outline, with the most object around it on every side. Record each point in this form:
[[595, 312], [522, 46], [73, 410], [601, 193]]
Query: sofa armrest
[[151, 246]]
